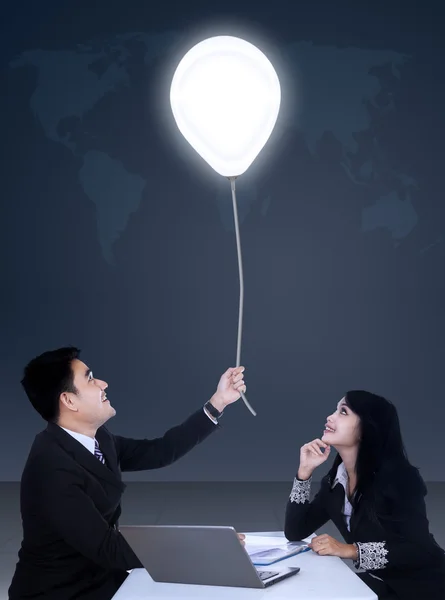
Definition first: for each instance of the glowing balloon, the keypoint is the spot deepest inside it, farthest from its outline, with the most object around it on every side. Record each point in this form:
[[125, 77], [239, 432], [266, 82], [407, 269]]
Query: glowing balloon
[[225, 97]]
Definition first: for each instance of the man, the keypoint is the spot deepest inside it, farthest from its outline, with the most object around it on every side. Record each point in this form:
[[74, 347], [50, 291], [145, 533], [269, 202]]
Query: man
[[71, 486]]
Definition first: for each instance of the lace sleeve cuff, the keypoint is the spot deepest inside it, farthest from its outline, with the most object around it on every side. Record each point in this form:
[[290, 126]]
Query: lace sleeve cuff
[[301, 491], [371, 556]]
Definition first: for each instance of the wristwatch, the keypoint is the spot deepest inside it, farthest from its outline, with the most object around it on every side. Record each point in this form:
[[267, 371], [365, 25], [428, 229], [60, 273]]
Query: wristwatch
[[213, 411]]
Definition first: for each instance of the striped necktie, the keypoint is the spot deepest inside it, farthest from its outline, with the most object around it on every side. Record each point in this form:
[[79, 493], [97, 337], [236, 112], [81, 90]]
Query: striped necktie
[[97, 452]]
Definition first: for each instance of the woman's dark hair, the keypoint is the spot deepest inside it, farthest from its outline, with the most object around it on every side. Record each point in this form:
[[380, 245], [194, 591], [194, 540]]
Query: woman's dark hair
[[380, 442], [46, 377]]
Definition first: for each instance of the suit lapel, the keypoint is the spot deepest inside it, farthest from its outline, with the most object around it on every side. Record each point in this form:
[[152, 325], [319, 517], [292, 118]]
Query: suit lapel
[[337, 498], [336, 509], [85, 458], [358, 515], [108, 449]]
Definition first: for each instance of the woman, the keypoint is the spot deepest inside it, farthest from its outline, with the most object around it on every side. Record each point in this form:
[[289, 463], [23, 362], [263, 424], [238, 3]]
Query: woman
[[374, 496]]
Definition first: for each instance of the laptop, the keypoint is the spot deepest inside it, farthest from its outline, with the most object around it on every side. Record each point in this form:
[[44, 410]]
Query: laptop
[[199, 555]]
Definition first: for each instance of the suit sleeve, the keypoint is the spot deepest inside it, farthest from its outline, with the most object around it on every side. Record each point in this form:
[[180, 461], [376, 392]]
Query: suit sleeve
[[144, 454], [72, 515], [408, 543], [303, 517]]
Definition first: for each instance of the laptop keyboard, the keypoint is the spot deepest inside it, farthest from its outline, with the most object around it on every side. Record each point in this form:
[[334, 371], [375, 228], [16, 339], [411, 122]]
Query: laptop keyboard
[[267, 574]]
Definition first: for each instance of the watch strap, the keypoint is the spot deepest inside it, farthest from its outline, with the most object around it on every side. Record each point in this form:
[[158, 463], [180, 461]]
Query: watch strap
[[212, 410]]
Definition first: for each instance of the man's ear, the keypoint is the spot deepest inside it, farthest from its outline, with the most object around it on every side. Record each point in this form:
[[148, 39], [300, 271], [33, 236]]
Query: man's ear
[[68, 400]]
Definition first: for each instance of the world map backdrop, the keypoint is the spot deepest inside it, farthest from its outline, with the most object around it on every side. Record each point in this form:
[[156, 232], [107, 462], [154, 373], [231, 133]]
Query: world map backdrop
[[117, 238]]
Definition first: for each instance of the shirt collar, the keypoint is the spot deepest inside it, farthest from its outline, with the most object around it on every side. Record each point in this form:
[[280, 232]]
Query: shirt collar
[[342, 476], [86, 441]]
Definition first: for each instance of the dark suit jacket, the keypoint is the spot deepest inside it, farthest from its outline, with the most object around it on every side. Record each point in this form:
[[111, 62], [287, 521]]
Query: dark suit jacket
[[70, 506], [398, 549]]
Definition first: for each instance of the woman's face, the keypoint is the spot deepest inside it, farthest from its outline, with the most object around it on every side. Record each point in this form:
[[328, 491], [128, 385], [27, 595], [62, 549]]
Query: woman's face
[[342, 428]]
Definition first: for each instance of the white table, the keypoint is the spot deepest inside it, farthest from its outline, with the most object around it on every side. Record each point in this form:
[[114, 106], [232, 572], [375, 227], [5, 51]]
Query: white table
[[320, 578]]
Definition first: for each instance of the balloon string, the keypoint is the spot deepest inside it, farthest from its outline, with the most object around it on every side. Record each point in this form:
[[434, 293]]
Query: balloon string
[[241, 282]]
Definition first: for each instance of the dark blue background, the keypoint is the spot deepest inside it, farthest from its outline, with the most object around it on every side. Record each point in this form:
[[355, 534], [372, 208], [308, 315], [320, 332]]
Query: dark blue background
[[329, 305]]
